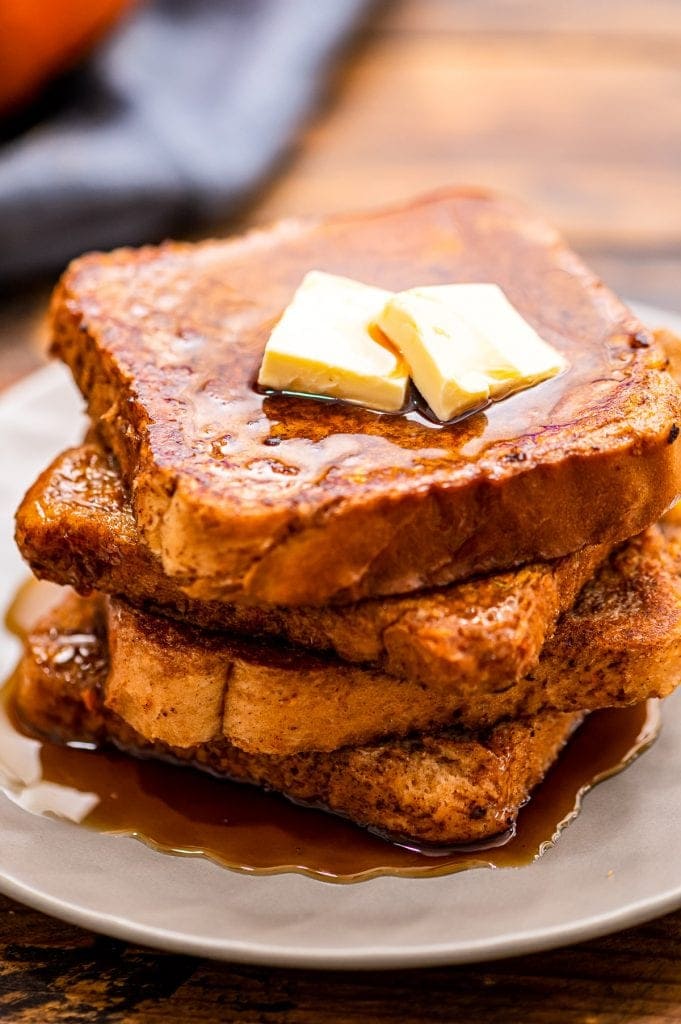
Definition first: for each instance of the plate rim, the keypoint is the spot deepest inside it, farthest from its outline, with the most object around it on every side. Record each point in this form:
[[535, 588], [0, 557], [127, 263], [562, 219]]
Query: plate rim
[[374, 958]]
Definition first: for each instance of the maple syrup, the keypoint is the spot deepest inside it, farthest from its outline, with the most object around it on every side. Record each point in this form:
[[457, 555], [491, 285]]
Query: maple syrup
[[182, 811]]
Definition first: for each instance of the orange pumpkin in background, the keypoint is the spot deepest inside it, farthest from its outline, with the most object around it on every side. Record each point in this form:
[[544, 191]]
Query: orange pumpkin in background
[[40, 38]]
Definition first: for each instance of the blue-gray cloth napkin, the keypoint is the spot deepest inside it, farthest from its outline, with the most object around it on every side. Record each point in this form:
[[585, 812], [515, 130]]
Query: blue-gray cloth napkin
[[172, 123]]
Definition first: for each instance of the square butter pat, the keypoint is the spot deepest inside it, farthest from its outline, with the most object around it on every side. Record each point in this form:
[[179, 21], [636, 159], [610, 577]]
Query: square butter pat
[[465, 344], [327, 343]]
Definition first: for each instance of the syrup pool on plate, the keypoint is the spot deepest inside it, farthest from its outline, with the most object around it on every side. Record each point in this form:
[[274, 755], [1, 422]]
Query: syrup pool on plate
[[186, 812]]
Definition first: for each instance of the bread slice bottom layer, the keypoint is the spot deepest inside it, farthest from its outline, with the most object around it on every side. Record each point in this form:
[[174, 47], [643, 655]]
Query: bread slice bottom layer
[[449, 787]]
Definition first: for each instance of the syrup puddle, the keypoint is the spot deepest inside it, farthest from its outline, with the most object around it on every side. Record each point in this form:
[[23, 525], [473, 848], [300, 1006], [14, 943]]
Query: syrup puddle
[[185, 812]]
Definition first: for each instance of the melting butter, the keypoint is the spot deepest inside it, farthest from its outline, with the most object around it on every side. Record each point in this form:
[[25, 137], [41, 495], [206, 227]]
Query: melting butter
[[326, 343], [466, 344]]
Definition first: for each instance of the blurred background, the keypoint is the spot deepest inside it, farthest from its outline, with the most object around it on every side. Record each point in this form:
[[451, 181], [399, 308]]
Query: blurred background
[[125, 121]]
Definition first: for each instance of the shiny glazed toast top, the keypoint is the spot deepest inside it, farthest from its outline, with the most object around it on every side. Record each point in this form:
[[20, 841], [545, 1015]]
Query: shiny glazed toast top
[[166, 344]]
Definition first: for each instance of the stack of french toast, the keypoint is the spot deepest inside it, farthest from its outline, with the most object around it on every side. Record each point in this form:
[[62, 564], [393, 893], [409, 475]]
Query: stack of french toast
[[398, 620]]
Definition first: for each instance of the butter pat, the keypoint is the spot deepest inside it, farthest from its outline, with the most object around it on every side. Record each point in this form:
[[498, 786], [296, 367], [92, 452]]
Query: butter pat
[[466, 344], [327, 343]]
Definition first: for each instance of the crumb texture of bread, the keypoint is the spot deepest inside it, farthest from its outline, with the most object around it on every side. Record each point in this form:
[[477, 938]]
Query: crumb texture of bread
[[451, 787], [75, 527], [620, 644], [272, 500]]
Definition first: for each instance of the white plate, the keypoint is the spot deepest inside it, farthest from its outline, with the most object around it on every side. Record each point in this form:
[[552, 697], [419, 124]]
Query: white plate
[[617, 865]]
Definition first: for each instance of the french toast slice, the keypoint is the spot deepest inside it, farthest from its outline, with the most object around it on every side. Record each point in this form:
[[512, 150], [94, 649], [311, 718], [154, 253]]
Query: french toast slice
[[619, 645], [76, 527], [269, 499], [452, 787]]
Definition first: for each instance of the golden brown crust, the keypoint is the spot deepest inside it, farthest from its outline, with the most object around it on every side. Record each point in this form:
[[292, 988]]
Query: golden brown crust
[[620, 644], [75, 527], [447, 788], [284, 501]]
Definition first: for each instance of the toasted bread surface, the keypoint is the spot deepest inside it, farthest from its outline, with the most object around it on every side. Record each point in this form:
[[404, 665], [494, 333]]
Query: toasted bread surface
[[619, 645], [446, 788], [76, 527], [278, 500]]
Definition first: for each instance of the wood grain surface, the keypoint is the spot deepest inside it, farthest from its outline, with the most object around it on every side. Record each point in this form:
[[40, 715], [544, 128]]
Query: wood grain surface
[[576, 106], [51, 972]]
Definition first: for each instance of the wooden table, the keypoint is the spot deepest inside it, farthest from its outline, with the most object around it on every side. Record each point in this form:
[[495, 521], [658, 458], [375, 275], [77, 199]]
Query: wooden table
[[577, 107]]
